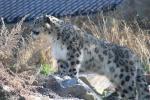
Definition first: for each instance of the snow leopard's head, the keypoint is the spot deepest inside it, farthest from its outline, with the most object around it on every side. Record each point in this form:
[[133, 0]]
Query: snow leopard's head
[[46, 25]]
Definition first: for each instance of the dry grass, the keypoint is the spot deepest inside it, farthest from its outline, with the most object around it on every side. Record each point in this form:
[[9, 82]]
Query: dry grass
[[9, 41], [34, 53], [20, 55], [19, 52]]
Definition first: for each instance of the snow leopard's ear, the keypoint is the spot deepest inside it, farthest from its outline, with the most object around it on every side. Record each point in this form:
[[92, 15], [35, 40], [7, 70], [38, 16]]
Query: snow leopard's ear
[[47, 19], [52, 21], [48, 22]]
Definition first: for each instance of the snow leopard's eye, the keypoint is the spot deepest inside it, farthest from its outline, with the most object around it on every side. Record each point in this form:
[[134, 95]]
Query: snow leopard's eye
[[35, 32]]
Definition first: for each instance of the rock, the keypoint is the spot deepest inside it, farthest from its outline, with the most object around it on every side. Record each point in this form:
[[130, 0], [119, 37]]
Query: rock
[[96, 81], [7, 94], [34, 97], [70, 88], [89, 96], [99, 84]]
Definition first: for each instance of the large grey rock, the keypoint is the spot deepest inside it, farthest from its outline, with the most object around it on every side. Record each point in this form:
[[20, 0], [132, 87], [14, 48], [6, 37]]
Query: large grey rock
[[71, 88]]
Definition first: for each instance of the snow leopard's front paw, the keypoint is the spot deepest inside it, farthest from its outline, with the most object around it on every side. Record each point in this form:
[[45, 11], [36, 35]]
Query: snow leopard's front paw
[[63, 68], [73, 73]]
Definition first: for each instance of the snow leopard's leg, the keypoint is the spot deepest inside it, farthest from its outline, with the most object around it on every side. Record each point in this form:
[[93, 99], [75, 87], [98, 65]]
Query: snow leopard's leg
[[63, 68], [74, 61]]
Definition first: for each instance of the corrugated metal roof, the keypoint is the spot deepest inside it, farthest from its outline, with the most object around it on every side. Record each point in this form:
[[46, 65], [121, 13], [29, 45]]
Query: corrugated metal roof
[[12, 10]]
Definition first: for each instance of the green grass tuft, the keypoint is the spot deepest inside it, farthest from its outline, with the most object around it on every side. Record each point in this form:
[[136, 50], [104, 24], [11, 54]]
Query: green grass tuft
[[47, 69]]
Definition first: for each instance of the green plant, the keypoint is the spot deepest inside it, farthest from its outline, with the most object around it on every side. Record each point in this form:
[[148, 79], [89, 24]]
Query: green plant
[[47, 69]]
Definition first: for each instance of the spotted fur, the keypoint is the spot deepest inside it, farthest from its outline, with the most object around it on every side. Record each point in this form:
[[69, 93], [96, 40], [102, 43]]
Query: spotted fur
[[73, 48]]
